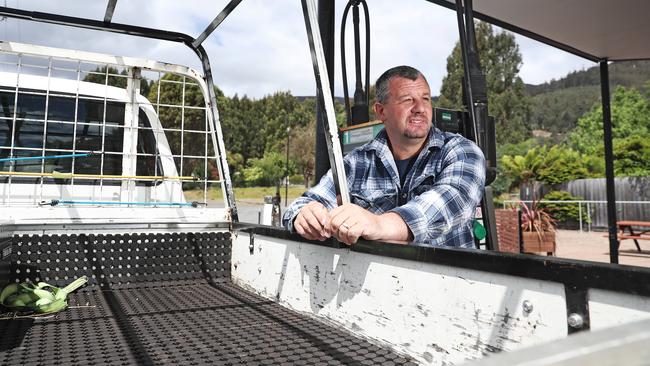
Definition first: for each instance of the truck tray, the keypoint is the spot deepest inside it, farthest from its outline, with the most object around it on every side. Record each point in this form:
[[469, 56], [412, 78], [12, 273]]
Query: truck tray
[[168, 302]]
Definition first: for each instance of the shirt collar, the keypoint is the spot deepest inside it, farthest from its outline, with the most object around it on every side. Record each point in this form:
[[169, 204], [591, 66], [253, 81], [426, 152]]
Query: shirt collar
[[380, 143]]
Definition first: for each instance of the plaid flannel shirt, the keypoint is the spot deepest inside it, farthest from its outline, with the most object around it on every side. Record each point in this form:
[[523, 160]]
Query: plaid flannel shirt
[[440, 193]]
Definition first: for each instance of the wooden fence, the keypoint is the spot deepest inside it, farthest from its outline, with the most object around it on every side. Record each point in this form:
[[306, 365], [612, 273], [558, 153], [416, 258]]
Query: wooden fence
[[634, 190]]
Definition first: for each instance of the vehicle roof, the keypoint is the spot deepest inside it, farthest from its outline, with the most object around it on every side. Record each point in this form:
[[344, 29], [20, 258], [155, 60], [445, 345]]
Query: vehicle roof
[[9, 80]]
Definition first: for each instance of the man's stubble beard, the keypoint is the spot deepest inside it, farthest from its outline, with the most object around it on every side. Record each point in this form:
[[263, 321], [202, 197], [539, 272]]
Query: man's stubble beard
[[417, 134]]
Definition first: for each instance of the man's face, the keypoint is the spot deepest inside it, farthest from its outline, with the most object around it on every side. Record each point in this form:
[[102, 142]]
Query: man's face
[[407, 113]]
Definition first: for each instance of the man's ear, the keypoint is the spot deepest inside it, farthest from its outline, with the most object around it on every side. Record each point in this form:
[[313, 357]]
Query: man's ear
[[379, 110]]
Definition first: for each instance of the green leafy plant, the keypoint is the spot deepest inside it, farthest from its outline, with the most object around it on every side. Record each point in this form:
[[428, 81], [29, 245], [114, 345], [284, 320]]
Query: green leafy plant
[[561, 212], [632, 156], [267, 171], [553, 165]]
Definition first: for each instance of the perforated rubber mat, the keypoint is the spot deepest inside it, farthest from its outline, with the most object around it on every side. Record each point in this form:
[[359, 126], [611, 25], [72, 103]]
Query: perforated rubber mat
[[181, 320]]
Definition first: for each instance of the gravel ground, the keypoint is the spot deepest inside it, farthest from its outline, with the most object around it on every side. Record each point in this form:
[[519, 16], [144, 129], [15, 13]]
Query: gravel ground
[[594, 246], [248, 212]]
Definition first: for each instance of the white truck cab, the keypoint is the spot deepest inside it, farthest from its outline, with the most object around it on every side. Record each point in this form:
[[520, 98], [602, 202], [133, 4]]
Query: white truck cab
[[72, 140], [61, 120]]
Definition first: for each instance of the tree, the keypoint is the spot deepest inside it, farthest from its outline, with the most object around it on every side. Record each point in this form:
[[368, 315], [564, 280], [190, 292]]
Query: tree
[[501, 60], [559, 110], [236, 165], [281, 110], [562, 164], [244, 126], [99, 76], [268, 170], [632, 156], [630, 117], [302, 150]]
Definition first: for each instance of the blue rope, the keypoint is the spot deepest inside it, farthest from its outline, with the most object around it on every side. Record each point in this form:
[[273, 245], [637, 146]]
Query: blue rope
[[63, 202], [46, 157]]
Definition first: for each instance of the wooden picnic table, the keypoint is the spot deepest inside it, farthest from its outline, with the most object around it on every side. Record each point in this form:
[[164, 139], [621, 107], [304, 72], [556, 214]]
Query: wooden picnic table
[[626, 230]]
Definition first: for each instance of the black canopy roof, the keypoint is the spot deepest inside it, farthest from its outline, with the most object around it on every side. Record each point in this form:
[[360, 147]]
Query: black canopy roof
[[595, 29]]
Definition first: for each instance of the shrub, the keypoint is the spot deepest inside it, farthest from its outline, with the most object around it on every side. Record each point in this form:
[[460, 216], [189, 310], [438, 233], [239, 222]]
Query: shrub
[[297, 179], [562, 212], [267, 171]]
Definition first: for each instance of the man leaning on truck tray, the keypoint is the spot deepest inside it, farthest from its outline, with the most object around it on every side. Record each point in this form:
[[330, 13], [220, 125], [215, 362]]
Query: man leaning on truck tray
[[411, 183]]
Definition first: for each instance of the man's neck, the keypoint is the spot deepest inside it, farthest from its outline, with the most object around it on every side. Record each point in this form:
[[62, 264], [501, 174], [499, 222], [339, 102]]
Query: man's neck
[[406, 151]]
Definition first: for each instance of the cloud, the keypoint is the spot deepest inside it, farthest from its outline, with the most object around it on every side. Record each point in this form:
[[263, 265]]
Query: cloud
[[262, 47], [542, 63]]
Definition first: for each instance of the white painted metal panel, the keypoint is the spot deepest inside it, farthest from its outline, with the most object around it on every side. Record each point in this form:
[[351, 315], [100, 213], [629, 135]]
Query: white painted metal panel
[[437, 314], [112, 215], [608, 308], [622, 345]]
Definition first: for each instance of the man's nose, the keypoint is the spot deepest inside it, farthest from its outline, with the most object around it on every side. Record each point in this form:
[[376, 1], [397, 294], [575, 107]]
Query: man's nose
[[418, 106]]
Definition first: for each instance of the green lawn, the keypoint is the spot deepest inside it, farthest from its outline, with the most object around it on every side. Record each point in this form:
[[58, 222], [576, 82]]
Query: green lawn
[[245, 194]]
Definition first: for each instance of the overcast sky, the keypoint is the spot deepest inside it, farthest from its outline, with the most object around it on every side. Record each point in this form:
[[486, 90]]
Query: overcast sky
[[262, 47]]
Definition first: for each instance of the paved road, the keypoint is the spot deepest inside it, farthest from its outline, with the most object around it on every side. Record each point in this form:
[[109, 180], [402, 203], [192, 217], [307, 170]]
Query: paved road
[[248, 212]]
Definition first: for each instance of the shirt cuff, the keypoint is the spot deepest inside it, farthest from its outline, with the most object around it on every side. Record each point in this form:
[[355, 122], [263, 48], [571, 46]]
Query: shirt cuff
[[415, 219], [288, 218]]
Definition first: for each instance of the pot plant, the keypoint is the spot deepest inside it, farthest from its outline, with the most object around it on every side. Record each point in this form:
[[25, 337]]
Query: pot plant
[[537, 229]]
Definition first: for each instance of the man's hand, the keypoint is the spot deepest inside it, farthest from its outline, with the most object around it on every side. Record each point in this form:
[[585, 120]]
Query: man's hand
[[350, 222], [311, 222]]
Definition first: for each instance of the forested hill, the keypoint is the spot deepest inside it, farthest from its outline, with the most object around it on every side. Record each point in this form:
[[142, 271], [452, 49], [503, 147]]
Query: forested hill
[[631, 73], [557, 105]]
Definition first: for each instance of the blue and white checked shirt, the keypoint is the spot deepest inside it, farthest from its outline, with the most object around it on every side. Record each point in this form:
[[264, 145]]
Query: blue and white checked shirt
[[440, 193]]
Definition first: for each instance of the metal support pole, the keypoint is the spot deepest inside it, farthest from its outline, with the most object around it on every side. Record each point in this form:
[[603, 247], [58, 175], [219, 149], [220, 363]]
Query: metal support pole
[[215, 23], [130, 140], [609, 162], [580, 214], [326, 100], [326, 25], [286, 183], [110, 9], [476, 102]]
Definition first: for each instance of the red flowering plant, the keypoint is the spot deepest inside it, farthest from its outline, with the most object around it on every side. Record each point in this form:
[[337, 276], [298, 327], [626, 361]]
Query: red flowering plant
[[535, 218]]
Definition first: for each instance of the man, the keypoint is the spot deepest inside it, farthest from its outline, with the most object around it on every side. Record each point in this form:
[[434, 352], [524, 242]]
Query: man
[[411, 183]]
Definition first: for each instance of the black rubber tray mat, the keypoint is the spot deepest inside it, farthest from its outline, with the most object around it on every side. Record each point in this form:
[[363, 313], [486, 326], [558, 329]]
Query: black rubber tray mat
[[181, 323]]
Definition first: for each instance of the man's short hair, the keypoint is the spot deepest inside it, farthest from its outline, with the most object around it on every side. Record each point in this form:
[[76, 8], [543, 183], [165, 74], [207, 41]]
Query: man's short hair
[[381, 86]]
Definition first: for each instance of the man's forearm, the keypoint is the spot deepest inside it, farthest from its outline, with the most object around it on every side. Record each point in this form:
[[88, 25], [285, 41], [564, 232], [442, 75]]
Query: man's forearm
[[393, 228]]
